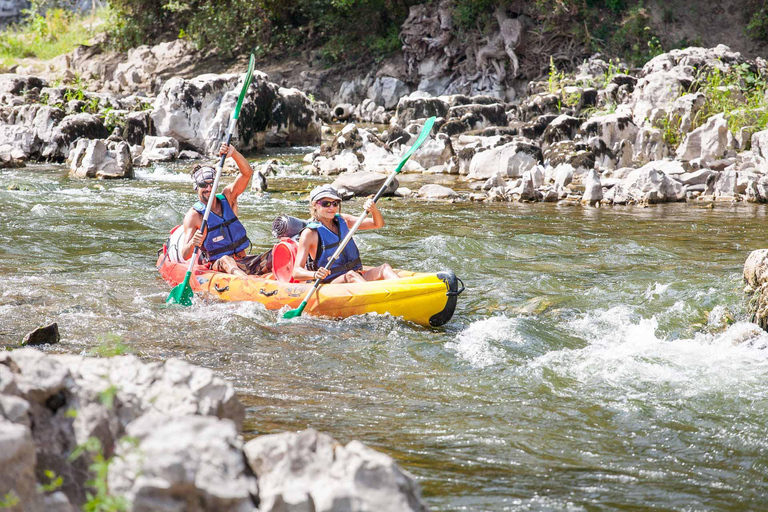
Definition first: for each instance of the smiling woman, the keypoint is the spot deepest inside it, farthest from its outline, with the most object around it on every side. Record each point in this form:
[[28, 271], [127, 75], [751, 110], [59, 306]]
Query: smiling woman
[[319, 242]]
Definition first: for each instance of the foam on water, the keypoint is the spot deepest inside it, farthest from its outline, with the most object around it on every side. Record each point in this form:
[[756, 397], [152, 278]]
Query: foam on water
[[160, 173], [658, 289], [40, 210], [477, 343], [624, 352]]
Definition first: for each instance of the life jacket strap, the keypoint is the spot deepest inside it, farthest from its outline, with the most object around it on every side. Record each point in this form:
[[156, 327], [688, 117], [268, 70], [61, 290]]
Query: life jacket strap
[[228, 248]]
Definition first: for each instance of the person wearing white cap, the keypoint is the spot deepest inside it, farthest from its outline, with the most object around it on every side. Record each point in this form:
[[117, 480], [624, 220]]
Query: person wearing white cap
[[323, 235], [225, 240]]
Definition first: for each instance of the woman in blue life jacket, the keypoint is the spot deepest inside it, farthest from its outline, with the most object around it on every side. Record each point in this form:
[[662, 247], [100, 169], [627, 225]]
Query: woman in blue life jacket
[[324, 233], [224, 241]]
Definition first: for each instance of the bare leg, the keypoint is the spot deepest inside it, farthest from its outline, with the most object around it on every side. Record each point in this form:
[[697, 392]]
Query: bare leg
[[349, 277], [380, 273], [227, 264]]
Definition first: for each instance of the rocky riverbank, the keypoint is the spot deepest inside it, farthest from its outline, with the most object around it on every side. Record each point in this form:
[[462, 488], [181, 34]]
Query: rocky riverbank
[[604, 135], [165, 436]]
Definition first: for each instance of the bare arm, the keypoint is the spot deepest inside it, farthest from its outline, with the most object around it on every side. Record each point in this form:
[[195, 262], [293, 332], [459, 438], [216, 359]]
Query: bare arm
[[237, 187], [192, 235], [307, 245], [373, 222]]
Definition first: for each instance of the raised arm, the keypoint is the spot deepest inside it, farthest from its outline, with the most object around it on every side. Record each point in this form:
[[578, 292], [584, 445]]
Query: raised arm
[[237, 187], [373, 222]]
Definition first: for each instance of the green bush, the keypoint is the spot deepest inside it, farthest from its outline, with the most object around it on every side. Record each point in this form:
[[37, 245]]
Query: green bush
[[56, 32], [739, 93], [356, 27], [757, 28]]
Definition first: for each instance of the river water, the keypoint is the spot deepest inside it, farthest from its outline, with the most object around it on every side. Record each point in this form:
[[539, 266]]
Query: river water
[[599, 359]]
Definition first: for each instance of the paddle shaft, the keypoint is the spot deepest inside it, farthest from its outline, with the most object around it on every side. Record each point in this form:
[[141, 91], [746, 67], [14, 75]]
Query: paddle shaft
[[219, 167], [426, 129], [347, 238]]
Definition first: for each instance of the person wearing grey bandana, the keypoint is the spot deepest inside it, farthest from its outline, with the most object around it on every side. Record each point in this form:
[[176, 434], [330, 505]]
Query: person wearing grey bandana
[[225, 241]]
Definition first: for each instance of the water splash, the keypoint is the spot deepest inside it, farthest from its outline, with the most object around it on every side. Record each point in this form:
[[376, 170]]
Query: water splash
[[477, 343], [658, 289]]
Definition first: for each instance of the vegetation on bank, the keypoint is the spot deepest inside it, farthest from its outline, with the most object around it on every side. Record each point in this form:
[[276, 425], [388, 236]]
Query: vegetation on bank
[[345, 31], [48, 32]]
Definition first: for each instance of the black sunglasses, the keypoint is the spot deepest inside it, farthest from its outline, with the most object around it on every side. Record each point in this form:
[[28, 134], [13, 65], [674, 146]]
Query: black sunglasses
[[327, 204]]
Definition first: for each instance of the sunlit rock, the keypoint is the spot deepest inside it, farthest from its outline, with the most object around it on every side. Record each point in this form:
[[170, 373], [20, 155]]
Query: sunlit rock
[[312, 471], [100, 159]]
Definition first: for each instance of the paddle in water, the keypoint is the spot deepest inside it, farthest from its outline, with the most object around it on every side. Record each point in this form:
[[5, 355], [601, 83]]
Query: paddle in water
[[293, 313], [182, 294]]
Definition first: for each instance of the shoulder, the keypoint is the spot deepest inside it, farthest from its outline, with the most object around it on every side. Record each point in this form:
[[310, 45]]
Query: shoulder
[[308, 235], [193, 216]]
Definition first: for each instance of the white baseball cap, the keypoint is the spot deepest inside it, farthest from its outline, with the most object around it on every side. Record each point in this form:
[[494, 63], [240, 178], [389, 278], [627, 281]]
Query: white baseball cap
[[323, 191]]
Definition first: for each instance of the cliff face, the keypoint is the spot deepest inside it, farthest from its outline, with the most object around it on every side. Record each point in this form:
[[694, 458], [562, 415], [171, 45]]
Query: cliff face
[[707, 23]]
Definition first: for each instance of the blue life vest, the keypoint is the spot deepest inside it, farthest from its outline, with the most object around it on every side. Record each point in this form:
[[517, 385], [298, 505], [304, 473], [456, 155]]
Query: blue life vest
[[226, 235], [328, 241]]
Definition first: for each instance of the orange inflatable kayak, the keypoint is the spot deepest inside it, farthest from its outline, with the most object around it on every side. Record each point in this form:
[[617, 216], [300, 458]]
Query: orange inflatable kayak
[[421, 298]]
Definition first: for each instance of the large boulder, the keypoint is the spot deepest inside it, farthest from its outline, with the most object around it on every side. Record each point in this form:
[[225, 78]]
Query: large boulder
[[145, 67], [648, 185], [386, 91], [101, 159], [70, 129], [197, 112], [412, 109], [756, 277], [364, 183], [106, 396], [160, 149], [435, 191], [177, 461], [667, 76], [511, 159], [312, 471], [707, 142], [612, 129], [18, 462]]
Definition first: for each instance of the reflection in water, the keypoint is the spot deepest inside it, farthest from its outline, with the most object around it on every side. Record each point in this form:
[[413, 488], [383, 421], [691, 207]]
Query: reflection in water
[[598, 360]]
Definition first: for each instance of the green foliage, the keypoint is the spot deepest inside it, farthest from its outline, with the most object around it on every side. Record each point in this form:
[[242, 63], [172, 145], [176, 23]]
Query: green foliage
[[671, 131], [46, 33], [54, 482], [100, 500], [591, 111], [555, 78], [468, 14], [633, 37], [738, 92], [9, 500], [757, 28], [110, 345], [350, 27]]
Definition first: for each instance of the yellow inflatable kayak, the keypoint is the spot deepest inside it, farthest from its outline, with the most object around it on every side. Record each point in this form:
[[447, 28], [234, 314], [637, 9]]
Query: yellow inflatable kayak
[[424, 299]]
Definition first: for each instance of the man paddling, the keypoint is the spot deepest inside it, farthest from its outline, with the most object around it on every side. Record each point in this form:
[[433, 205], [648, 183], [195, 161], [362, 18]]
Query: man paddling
[[225, 240]]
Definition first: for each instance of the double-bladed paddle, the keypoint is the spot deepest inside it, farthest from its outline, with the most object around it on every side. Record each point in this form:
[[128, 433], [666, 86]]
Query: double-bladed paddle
[[422, 137], [182, 294]]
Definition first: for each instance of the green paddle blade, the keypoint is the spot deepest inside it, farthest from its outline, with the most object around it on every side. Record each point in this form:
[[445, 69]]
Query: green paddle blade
[[181, 294], [422, 137], [244, 90], [295, 312]]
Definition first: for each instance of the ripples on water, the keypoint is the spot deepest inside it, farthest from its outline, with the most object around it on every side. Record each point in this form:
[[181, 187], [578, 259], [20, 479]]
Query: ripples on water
[[598, 360]]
